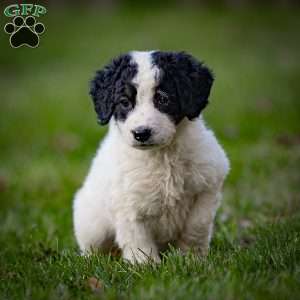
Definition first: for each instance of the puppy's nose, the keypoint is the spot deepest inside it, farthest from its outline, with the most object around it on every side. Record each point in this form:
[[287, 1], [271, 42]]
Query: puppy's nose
[[141, 134]]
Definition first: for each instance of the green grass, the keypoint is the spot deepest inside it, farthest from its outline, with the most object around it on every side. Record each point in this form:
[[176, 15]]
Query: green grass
[[48, 136]]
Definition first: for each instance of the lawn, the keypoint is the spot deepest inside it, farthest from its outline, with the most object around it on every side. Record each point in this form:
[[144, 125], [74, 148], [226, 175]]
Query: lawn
[[49, 134]]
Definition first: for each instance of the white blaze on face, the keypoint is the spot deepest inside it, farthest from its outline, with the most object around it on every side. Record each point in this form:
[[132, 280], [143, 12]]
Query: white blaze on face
[[147, 72], [144, 113]]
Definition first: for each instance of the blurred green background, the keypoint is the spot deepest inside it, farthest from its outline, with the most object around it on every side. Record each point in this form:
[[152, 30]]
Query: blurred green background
[[49, 134]]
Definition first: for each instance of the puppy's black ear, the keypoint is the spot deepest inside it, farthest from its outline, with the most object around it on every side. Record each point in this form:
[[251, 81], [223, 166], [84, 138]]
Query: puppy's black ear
[[194, 84], [108, 85], [101, 93], [191, 79]]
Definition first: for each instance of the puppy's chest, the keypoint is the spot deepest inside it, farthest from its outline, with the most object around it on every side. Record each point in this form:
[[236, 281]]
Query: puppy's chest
[[167, 191]]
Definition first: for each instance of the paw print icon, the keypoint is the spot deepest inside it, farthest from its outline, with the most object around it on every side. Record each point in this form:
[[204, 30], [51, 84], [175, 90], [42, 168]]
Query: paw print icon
[[24, 32]]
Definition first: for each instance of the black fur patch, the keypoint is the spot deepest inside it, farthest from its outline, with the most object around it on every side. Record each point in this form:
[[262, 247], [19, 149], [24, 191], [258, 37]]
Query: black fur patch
[[127, 102], [110, 85], [185, 81]]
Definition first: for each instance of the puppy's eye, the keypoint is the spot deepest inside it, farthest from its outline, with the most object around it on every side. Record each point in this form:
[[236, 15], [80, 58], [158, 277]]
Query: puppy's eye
[[125, 103], [162, 98]]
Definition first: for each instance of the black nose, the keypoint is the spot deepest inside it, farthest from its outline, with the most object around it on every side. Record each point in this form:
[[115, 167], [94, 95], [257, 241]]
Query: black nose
[[141, 134]]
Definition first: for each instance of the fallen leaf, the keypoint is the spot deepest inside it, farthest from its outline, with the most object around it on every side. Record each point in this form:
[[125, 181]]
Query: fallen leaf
[[95, 284], [288, 139]]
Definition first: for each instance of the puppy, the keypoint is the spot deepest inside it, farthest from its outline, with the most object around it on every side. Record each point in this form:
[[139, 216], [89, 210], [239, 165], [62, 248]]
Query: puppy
[[157, 177]]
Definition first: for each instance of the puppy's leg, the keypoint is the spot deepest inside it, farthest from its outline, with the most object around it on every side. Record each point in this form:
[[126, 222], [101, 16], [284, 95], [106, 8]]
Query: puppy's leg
[[136, 242], [91, 225], [199, 225]]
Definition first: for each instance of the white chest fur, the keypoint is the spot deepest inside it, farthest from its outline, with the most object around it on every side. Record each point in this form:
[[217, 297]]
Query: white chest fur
[[156, 189], [155, 186]]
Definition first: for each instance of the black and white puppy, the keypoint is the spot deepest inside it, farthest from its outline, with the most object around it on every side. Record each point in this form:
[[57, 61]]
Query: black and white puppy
[[157, 176]]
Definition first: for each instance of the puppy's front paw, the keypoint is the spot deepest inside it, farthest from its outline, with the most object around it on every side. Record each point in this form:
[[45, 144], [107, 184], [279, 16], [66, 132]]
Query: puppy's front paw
[[141, 255]]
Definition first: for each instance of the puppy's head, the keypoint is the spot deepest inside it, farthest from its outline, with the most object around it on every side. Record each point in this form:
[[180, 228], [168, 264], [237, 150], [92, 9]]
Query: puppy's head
[[149, 93]]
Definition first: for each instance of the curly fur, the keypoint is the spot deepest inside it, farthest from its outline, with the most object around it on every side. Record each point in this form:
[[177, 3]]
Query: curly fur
[[144, 196]]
